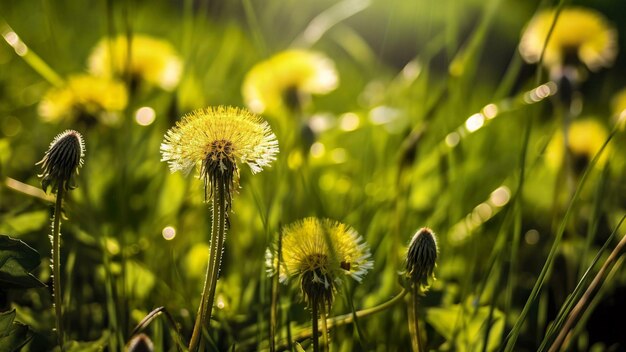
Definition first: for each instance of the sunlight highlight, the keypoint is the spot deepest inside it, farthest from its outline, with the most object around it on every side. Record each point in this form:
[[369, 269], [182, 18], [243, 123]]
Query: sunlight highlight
[[145, 116], [169, 232]]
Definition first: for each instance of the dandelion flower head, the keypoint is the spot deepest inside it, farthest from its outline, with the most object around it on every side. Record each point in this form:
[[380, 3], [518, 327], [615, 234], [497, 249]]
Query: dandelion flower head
[[421, 258], [579, 34], [84, 97], [319, 252], [585, 138], [215, 139], [62, 160], [151, 60], [273, 84]]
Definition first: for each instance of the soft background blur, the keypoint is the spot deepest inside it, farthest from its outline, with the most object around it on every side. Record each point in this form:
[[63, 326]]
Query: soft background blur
[[376, 153]]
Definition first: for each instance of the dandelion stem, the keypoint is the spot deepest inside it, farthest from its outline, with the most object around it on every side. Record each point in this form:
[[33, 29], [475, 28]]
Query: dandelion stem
[[314, 330], [325, 329], [218, 234], [56, 263], [220, 198], [346, 318], [414, 327], [275, 296]]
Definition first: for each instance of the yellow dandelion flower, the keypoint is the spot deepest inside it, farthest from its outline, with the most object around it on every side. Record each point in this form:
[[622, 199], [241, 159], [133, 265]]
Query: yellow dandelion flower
[[84, 97], [319, 252], [151, 60], [278, 83], [579, 35], [584, 139], [215, 139]]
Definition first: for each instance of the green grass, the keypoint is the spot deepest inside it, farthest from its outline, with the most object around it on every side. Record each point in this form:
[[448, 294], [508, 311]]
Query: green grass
[[411, 73]]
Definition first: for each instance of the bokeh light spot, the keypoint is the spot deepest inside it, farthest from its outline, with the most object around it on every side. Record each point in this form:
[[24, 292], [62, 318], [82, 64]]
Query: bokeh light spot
[[475, 122], [169, 232], [145, 116], [349, 121], [318, 150]]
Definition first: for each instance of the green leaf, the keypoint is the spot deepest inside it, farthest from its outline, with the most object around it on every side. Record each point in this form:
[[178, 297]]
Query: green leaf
[[26, 222], [88, 346], [470, 338], [13, 335], [299, 347], [17, 260], [172, 195]]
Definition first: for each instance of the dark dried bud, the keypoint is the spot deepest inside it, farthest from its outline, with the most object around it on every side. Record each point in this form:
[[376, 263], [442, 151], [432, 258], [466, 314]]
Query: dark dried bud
[[140, 343], [62, 160], [421, 258]]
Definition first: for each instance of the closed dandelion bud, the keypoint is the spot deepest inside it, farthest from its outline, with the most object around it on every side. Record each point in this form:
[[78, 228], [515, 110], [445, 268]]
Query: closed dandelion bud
[[62, 160], [421, 258], [140, 343]]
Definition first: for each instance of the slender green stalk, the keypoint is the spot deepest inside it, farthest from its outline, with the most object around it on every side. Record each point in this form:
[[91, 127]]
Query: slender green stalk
[[511, 338], [582, 305], [218, 234], [222, 214], [414, 328], [325, 337], [314, 329], [56, 264], [345, 319], [275, 295]]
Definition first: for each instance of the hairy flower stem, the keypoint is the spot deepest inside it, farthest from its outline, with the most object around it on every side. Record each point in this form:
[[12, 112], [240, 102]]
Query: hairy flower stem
[[56, 264], [218, 236], [414, 326]]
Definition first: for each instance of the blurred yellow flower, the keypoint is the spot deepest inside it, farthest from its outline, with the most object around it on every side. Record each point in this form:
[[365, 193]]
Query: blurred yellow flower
[[585, 138], [276, 83], [579, 34], [215, 139], [152, 60], [618, 105], [84, 96], [318, 252]]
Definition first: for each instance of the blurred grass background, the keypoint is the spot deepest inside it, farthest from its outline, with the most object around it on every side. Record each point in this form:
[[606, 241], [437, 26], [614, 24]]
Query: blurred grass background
[[371, 153]]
